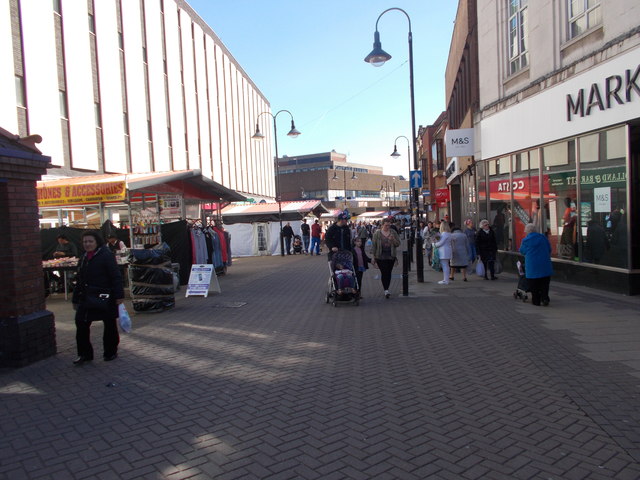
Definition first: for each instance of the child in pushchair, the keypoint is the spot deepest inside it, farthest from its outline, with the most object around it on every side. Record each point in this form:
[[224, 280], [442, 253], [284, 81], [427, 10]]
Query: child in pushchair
[[523, 284], [343, 284], [297, 245]]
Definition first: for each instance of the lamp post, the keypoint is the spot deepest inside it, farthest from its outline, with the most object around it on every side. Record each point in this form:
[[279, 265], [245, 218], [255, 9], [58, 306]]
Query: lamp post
[[377, 58], [396, 154], [259, 136], [384, 187], [353, 177]]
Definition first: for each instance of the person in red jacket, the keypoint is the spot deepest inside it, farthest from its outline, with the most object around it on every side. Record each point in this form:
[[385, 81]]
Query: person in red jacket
[[316, 232]]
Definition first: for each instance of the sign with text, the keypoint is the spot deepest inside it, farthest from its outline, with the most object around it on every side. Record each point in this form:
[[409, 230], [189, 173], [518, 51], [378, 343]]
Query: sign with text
[[81, 194], [200, 280], [602, 199], [459, 143]]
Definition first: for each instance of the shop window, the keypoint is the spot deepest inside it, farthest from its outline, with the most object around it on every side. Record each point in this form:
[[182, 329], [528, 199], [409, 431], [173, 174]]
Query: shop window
[[603, 193], [481, 179], [500, 212], [525, 188], [560, 197]]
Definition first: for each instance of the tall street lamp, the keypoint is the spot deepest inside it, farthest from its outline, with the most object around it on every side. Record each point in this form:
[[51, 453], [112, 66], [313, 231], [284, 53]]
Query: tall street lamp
[[396, 154], [377, 58], [259, 136], [353, 177], [384, 188]]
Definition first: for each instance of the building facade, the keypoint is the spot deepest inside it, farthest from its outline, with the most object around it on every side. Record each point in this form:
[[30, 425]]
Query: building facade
[[431, 153], [557, 135], [119, 86], [329, 177], [462, 94]]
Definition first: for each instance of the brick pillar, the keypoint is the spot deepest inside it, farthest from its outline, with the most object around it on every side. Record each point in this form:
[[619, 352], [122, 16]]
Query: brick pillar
[[27, 330]]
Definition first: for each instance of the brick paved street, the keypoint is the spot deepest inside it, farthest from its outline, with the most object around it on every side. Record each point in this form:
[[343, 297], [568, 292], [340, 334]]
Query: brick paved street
[[266, 381]]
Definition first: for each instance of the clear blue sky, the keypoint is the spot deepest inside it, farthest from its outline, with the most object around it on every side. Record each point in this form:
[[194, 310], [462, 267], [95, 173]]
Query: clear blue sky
[[308, 57]]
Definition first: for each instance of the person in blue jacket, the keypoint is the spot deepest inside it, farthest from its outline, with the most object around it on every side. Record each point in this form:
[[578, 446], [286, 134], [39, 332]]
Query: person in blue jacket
[[537, 263]]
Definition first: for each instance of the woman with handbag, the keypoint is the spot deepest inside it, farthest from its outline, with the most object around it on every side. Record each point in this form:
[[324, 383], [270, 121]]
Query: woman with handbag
[[97, 295], [384, 243], [487, 248]]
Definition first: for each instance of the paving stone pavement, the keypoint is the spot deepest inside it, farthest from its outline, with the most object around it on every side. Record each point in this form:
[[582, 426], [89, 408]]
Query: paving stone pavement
[[266, 381]]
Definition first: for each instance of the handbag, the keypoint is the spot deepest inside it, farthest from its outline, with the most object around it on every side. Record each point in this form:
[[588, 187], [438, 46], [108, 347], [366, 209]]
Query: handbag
[[97, 299]]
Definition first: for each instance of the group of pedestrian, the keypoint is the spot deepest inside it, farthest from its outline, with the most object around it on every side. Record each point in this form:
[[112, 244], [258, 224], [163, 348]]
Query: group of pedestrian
[[458, 248], [310, 238], [384, 242]]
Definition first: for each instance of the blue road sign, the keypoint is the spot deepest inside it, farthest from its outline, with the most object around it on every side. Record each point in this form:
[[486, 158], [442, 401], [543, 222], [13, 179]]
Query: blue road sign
[[415, 179]]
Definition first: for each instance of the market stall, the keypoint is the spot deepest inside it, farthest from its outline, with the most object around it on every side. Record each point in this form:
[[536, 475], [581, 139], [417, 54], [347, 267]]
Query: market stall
[[143, 209], [255, 227]]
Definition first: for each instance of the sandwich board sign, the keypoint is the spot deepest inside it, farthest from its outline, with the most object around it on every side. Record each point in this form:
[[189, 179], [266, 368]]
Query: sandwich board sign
[[200, 281]]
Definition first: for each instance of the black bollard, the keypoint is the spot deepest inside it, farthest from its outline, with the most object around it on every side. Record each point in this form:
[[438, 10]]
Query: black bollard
[[405, 273], [419, 258]]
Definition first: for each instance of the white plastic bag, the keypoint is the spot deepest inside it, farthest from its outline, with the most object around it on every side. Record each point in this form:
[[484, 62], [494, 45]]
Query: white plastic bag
[[124, 319], [480, 268]]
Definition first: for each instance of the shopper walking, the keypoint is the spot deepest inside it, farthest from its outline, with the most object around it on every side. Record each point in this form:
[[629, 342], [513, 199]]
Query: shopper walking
[[384, 244], [470, 231], [445, 251], [96, 297], [537, 264], [338, 235], [460, 253], [487, 248]]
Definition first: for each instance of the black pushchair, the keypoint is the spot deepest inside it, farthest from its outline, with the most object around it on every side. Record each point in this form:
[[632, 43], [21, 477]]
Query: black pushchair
[[343, 284], [523, 284], [297, 245]]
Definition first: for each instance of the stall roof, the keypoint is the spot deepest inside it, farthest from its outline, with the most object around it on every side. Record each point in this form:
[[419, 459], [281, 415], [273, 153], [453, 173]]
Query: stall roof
[[268, 212], [189, 183], [381, 214]]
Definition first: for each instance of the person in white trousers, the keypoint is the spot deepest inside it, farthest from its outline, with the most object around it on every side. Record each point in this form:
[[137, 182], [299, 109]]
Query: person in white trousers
[[445, 251]]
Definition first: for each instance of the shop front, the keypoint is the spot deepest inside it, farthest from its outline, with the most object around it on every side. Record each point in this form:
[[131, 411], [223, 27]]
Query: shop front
[[572, 169]]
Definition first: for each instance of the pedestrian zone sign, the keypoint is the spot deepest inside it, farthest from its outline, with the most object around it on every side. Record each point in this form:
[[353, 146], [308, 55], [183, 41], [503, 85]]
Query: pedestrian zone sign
[[415, 179]]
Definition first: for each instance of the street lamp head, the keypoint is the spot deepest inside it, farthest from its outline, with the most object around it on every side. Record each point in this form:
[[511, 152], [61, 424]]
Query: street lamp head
[[258, 135], [395, 153], [335, 176], [294, 131], [377, 57]]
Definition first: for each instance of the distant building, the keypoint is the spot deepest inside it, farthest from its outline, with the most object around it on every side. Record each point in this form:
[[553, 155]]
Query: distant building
[[330, 178]]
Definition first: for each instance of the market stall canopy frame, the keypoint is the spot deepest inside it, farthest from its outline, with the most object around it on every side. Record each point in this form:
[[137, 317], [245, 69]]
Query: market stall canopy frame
[[107, 188], [268, 212]]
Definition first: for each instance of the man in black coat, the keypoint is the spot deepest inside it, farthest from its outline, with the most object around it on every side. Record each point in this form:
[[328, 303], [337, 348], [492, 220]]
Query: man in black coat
[[338, 235], [287, 233]]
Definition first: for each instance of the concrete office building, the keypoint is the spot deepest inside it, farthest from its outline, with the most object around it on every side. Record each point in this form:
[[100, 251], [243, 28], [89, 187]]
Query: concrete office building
[[329, 177], [557, 136], [131, 86]]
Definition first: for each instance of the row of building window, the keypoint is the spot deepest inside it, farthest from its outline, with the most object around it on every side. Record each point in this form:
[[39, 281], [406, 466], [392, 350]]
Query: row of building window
[[582, 16]]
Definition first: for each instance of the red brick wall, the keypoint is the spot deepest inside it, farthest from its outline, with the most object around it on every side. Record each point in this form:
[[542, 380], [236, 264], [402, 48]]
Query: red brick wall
[[21, 278]]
